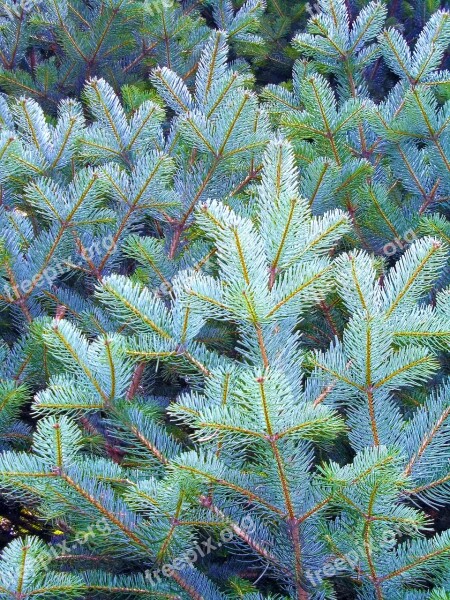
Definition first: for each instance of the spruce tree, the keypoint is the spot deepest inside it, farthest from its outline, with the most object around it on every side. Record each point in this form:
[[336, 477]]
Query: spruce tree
[[225, 304]]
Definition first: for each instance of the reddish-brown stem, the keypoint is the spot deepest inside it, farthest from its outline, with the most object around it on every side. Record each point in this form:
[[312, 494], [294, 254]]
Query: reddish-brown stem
[[326, 309], [136, 381]]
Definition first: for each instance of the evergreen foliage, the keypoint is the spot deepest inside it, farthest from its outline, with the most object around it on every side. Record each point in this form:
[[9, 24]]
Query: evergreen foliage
[[225, 305]]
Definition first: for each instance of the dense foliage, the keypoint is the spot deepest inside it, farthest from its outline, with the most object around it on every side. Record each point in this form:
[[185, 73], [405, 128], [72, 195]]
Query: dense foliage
[[225, 294]]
